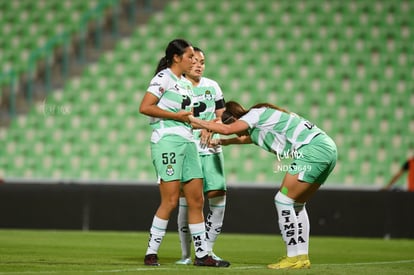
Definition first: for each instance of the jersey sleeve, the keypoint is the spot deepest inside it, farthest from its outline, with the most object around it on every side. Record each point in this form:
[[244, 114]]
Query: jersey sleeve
[[219, 92], [158, 85], [218, 98], [251, 118]]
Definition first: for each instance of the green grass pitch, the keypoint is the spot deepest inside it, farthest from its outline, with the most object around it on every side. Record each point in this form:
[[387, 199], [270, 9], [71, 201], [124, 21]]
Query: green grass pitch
[[104, 252]]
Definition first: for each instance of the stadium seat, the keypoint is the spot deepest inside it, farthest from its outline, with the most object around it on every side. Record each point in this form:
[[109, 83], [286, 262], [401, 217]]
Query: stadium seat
[[339, 64]]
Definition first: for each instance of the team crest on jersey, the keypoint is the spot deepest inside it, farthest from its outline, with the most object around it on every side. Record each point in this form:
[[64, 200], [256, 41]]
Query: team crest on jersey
[[207, 95], [170, 170], [161, 89]]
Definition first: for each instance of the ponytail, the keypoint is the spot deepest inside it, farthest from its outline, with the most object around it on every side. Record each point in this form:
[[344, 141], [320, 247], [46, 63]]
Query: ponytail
[[162, 64]]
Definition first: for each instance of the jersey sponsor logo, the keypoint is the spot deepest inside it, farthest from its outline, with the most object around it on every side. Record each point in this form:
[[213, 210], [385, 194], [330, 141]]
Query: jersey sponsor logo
[[185, 229], [199, 108], [155, 84], [308, 124], [186, 102]]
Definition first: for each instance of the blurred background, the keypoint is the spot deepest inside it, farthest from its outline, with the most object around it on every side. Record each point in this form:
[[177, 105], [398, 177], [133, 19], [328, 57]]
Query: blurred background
[[73, 73]]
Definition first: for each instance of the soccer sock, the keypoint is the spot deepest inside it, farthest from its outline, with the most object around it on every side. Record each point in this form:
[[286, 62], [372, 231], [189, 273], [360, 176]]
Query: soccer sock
[[183, 232], [303, 228], [157, 233], [198, 233], [288, 223], [214, 220]]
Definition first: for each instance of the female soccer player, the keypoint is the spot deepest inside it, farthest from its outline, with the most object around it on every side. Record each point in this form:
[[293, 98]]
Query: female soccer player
[[209, 104], [314, 156], [168, 101]]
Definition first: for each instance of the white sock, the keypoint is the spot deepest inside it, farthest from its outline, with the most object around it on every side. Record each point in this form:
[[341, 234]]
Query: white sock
[[198, 233], [288, 222], [157, 233], [214, 220], [304, 228], [183, 231]]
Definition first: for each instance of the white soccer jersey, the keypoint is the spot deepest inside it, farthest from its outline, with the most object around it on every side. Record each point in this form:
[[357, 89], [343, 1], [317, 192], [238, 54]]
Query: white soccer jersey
[[207, 94], [279, 132], [174, 94]]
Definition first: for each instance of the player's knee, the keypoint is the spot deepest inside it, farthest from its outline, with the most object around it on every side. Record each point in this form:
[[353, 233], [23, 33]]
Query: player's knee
[[282, 199], [217, 202], [170, 203], [195, 202]]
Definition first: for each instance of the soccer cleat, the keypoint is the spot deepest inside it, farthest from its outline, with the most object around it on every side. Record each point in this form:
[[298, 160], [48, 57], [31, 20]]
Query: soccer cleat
[[305, 261], [210, 261], [184, 261], [151, 259], [288, 263], [215, 257]]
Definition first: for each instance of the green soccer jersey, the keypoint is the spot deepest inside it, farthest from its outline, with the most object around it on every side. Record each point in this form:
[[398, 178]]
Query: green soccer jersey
[[279, 132], [174, 94], [207, 99]]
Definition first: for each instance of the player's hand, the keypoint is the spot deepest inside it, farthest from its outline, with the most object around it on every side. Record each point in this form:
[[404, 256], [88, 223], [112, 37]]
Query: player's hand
[[205, 137], [217, 120], [214, 142], [191, 118], [184, 116]]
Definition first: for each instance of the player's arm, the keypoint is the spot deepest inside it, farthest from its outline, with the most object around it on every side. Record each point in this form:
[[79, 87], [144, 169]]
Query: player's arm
[[236, 140], [219, 112], [149, 107], [206, 135], [238, 126], [395, 178]]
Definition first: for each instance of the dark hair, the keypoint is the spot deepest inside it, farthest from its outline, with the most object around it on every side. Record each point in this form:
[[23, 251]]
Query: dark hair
[[235, 110], [175, 47], [197, 49]]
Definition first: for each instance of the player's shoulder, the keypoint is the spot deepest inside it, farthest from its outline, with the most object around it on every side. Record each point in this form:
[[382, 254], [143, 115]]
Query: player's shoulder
[[162, 76], [257, 110], [161, 82], [186, 81], [254, 114], [205, 81]]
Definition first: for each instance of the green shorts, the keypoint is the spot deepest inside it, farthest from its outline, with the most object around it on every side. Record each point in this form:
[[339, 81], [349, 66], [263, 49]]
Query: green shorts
[[213, 171], [176, 160], [316, 160]]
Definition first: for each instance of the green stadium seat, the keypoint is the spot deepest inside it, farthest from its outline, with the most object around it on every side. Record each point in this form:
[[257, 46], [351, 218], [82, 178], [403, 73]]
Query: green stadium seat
[[341, 65]]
